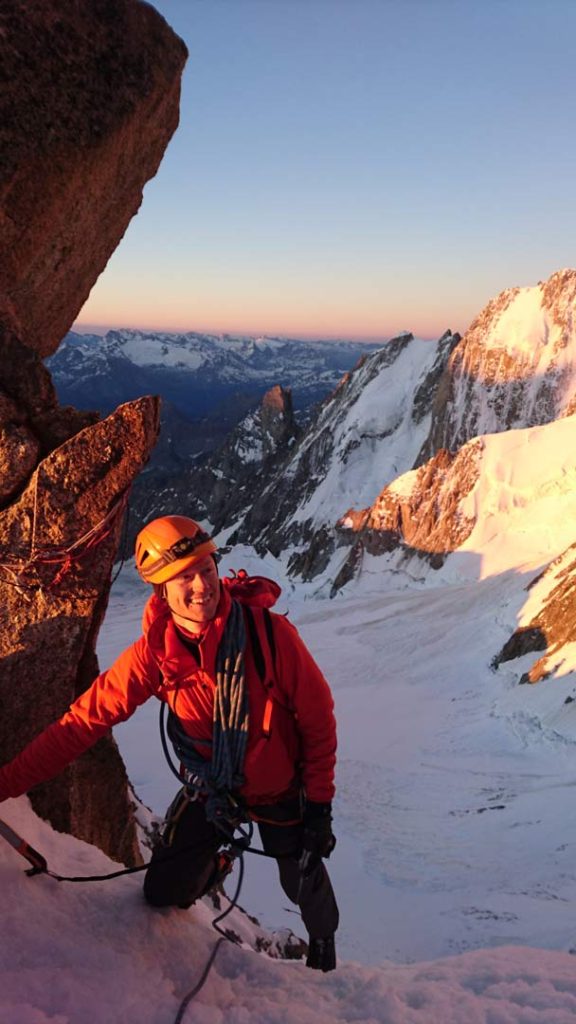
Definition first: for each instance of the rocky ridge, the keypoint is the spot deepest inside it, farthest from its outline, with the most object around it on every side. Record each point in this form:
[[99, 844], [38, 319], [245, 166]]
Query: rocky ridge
[[420, 513], [552, 627], [221, 489]]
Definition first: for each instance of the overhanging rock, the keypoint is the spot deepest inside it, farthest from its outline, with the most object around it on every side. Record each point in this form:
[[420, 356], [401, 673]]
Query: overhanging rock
[[89, 100]]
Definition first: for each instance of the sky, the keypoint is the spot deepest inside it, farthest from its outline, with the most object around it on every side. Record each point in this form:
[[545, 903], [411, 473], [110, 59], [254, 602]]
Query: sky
[[353, 169]]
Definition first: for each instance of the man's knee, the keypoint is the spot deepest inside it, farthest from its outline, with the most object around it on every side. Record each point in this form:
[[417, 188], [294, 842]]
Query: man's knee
[[158, 897], [176, 883]]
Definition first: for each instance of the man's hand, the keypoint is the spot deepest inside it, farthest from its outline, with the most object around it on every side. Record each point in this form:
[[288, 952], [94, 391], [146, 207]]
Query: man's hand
[[318, 840]]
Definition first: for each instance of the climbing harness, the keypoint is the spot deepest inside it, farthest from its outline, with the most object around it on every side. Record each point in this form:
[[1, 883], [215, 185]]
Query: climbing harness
[[40, 866]]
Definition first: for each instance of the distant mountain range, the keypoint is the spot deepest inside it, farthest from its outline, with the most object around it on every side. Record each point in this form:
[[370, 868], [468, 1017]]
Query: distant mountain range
[[207, 382]]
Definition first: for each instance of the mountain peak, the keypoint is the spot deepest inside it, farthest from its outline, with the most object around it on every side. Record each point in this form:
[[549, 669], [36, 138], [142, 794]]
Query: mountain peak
[[515, 367]]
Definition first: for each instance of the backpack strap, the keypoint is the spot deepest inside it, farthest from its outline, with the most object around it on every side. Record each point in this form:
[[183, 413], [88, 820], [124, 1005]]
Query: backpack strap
[[257, 651], [270, 635], [260, 663]]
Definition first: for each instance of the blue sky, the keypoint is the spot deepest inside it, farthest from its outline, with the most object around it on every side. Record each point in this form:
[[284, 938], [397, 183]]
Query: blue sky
[[354, 168]]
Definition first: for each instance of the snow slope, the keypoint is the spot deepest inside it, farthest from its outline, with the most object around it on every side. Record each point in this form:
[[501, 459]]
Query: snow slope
[[375, 435], [96, 955]]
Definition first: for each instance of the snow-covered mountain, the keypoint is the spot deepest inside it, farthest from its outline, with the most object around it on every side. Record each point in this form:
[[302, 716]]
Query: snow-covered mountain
[[207, 383], [370, 429], [493, 493], [515, 367]]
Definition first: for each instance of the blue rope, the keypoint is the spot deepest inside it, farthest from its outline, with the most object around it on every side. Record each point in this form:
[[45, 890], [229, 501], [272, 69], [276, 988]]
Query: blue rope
[[224, 773]]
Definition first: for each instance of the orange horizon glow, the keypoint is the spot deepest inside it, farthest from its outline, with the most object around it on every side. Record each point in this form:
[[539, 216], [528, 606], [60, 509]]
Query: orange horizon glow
[[250, 329]]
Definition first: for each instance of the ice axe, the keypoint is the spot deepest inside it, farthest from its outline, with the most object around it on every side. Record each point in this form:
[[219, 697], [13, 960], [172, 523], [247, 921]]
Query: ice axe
[[34, 858]]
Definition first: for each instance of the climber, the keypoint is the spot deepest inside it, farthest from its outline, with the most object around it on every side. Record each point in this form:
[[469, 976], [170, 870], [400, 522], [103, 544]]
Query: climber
[[250, 716]]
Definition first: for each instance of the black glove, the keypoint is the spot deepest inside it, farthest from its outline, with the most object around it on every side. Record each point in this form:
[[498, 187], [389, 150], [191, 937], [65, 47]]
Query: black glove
[[318, 840]]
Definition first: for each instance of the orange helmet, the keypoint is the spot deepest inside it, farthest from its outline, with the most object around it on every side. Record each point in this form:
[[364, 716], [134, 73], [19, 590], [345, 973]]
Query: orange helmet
[[168, 545]]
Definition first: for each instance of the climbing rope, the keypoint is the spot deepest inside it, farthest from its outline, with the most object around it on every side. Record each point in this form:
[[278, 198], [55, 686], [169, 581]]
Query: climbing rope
[[216, 778], [24, 571], [224, 938]]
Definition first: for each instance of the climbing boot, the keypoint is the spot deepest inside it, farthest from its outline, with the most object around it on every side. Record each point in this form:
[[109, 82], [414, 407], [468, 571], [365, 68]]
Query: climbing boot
[[224, 863], [322, 954]]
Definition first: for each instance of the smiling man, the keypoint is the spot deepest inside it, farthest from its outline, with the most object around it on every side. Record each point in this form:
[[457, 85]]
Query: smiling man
[[250, 717]]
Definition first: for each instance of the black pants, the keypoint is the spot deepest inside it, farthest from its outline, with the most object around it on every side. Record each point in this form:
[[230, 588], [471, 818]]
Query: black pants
[[183, 867]]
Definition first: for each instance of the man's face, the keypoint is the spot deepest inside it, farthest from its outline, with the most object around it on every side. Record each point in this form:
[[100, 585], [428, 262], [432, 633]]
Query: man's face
[[194, 594]]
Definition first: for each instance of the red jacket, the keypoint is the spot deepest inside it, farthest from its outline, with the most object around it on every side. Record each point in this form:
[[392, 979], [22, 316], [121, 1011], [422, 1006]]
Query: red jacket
[[299, 747]]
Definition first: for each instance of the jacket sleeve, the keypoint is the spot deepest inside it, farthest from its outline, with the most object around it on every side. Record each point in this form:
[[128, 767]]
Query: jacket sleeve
[[310, 699], [112, 698]]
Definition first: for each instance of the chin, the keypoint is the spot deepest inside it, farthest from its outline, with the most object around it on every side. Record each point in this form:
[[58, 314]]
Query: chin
[[196, 614]]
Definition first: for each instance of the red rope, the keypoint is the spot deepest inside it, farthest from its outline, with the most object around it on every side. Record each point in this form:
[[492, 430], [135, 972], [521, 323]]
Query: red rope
[[66, 557]]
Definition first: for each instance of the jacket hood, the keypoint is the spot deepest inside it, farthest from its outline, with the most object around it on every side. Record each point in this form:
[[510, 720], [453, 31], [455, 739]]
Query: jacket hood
[[257, 591]]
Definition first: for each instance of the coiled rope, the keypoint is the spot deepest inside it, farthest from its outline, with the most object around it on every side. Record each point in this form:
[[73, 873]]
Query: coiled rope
[[216, 778]]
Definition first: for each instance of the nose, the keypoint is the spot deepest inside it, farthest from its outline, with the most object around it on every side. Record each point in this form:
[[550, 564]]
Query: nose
[[199, 585]]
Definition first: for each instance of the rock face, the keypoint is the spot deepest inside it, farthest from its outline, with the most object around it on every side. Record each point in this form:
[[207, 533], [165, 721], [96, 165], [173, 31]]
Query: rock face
[[89, 100], [552, 627], [277, 419], [57, 545], [515, 367], [420, 513]]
